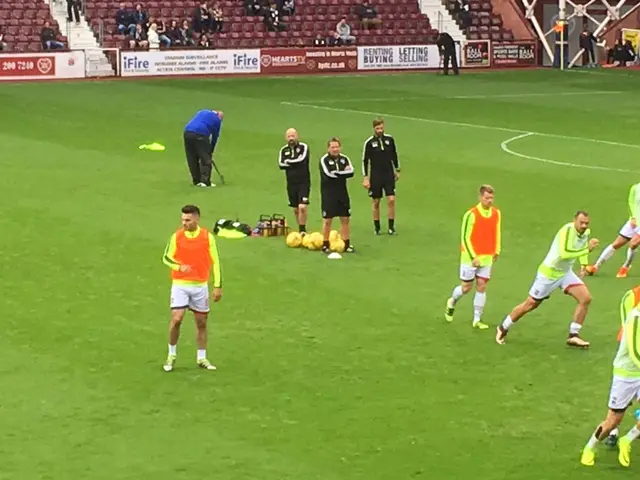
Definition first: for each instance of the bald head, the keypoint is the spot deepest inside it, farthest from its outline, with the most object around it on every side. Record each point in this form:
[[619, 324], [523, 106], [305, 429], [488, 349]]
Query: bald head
[[219, 113], [291, 136]]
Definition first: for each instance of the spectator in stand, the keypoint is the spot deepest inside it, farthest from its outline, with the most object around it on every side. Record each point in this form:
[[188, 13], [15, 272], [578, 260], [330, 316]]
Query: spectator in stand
[[186, 35], [140, 17], [288, 8], [73, 7], [621, 54], [124, 20], [343, 31], [587, 42], [48, 38], [204, 41], [153, 37], [319, 41], [218, 18], [139, 39], [368, 16], [254, 7], [174, 33], [162, 33], [3, 45], [272, 20], [202, 20]]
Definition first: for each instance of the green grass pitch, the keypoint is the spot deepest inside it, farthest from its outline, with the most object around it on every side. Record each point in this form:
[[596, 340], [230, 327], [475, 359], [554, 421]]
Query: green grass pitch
[[327, 370]]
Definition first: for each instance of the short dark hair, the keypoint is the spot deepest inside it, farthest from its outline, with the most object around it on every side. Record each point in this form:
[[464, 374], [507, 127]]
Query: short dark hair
[[191, 209], [378, 121], [581, 212], [334, 139]]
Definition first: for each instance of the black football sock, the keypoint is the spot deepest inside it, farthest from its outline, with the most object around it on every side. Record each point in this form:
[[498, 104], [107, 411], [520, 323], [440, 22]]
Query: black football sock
[[392, 223], [346, 243], [326, 244], [302, 228], [376, 225]]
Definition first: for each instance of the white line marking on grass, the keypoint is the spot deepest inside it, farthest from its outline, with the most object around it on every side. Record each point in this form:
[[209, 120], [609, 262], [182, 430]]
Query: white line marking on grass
[[459, 124], [547, 94], [504, 146]]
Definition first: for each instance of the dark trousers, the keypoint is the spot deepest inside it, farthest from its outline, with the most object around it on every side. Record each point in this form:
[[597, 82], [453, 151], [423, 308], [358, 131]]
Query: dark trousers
[[197, 148], [73, 7], [450, 56]]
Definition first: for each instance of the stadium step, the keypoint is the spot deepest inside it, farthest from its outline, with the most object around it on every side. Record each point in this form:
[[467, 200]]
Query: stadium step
[[81, 37], [441, 18]]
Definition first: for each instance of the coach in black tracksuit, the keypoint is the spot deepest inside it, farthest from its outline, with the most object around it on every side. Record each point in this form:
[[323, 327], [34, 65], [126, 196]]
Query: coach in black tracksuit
[[294, 160], [447, 48], [381, 169], [335, 169]]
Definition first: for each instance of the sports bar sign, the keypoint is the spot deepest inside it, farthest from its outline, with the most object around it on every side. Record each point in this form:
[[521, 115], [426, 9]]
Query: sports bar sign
[[515, 54], [308, 60]]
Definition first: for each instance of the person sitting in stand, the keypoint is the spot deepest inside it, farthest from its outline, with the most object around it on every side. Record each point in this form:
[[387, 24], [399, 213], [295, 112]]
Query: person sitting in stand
[[204, 41], [368, 16], [272, 20], [319, 41]]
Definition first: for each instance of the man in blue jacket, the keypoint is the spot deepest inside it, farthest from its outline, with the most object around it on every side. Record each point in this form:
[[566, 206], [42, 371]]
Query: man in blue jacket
[[200, 138]]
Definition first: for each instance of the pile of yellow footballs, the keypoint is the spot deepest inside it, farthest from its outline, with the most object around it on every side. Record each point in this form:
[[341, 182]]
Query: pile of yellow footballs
[[313, 241]]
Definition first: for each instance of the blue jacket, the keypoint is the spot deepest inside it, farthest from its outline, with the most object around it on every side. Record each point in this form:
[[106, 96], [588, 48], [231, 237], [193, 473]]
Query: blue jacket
[[207, 123]]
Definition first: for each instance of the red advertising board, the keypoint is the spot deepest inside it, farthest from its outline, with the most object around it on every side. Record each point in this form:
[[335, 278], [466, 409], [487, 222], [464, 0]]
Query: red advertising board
[[23, 66], [515, 54], [308, 60], [476, 53]]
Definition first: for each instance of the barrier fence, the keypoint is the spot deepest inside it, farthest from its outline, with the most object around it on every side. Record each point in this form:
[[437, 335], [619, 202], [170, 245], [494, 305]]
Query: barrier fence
[[266, 61]]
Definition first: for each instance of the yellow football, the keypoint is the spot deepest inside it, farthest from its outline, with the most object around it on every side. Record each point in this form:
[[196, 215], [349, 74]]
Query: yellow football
[[334, 235], [306, 241], [294, 239], [316, 239], [337, 245]]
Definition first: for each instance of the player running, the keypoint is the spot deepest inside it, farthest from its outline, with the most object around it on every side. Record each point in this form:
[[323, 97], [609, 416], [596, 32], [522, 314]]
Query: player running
[[571, 243], [294, 160], [627, 233], [630, 300], [624, 387], [381, 170], [480, 246], [190, 253]]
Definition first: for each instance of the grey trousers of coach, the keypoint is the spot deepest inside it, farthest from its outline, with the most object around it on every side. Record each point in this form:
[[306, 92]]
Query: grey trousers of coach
[[197, 148]]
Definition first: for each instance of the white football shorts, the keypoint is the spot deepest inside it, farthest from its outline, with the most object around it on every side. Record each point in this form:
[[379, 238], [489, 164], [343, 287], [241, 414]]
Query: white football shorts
[[195, 298], [544, 286], [627, 231], [469, 273], [623, 390]]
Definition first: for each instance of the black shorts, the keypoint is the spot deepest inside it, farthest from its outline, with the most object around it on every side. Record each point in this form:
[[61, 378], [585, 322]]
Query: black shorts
[[385, 185], [298, 194], [336, 206]]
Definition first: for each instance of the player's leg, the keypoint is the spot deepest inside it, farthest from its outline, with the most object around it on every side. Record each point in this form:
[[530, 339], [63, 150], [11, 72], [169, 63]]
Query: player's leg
[[574, 286], [199, 305], [206, 161], [467, 276], [193, 161], [622, 392], [631, 252], [302, 195], [179, 304], [482, 278], [390, 192], [541, 289], [327, 220], [375, 193], [345, 230], [625, 234]]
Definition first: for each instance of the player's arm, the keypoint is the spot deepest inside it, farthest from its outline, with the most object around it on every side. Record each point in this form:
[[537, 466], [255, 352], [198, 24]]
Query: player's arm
[[468, 220], [215, 134], [324, 168], [632, 336], [365, 159], [567, 238], [394, 156], [282, 162], [347, 171], [498, 233], [303, 155], [169, 258], [626, 306], [215, 260], [633, 213]]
